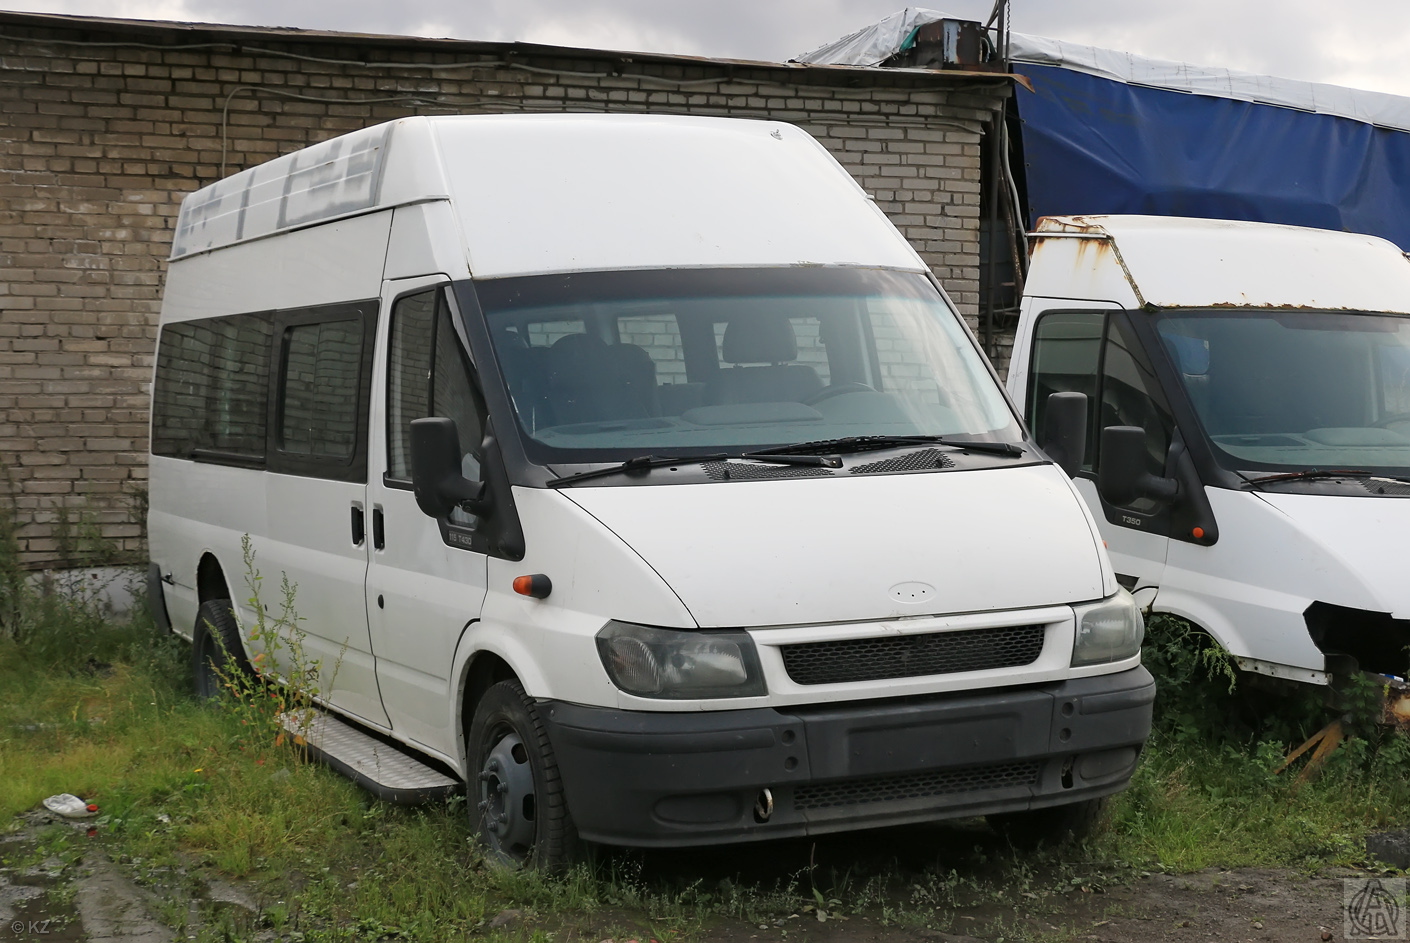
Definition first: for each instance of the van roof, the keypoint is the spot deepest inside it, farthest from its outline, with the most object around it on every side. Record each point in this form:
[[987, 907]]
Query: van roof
[[1162, 261], [561, 193], [1176, 262]]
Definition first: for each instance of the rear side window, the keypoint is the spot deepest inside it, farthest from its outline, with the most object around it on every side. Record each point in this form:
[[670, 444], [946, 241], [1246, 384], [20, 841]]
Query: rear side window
[[285, 390], [210, 398]]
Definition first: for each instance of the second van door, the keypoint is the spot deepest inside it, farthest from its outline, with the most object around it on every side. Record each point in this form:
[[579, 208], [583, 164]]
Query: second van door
[[1093, 349]]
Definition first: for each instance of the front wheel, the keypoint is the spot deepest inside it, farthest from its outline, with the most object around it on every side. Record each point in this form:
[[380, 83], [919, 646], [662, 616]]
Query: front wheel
[[1054, 826], [517, 803]]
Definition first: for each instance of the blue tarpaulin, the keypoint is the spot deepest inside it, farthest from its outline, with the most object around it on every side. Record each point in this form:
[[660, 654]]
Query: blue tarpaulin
[[1095, 145]]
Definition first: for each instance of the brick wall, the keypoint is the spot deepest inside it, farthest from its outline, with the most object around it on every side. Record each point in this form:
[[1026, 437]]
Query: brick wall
[[106, 125]]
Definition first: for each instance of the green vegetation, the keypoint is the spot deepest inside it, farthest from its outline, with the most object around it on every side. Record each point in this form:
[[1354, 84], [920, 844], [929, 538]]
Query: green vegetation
[[188, 791]]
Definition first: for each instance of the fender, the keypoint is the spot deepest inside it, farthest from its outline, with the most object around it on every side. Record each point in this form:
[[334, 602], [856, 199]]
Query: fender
[[476, 638]]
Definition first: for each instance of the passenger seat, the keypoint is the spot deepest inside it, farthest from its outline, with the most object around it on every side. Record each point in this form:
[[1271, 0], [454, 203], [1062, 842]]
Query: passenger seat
[[765, 339]]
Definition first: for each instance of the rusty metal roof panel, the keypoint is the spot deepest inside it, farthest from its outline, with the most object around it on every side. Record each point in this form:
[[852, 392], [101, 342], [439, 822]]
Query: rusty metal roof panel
[[1174, 262]]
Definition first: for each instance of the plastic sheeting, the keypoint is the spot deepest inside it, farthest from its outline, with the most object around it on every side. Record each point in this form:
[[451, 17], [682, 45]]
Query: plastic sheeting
[[1092, 145], [873, 45]]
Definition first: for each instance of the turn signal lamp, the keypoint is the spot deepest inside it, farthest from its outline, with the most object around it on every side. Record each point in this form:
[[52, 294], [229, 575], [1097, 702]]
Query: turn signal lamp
[[536, 585]]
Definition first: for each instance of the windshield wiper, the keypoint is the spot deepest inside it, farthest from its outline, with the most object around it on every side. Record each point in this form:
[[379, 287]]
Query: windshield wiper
[[872, 443], [1310, 474], [643, 463]]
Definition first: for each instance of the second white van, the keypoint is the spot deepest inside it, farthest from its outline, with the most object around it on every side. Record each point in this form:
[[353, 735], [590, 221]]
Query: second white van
[[1248, 460]]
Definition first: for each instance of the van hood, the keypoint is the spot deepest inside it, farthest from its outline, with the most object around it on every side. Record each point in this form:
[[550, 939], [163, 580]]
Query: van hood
[[819, 550], [1365, 535]]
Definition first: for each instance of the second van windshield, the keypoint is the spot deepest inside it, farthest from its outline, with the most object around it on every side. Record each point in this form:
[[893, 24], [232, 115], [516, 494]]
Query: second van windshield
[[1297, 390], [604, 366]]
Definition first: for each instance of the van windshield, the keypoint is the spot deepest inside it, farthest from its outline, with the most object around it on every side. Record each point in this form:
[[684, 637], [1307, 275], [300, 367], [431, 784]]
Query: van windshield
[[1297, 390], [607, 366]]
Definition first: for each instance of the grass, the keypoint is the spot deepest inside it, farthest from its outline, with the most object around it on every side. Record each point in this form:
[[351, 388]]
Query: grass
[[101, 708]]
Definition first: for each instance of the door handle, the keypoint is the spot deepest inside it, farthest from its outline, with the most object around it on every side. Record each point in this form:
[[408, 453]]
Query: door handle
[[379, 529], [359, 530]]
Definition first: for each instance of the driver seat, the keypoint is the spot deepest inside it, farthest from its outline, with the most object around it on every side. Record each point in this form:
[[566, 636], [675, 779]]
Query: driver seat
[[760, 349]]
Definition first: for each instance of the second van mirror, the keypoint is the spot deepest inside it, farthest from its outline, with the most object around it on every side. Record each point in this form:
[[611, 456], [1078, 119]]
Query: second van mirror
[[1122, 477], [435, 469], [1064, 432]]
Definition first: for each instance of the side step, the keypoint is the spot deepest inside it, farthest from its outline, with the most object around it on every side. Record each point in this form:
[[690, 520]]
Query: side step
[[388, 773]]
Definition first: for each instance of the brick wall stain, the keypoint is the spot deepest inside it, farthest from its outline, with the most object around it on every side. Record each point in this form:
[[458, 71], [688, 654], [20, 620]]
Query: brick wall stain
[[101, 137]]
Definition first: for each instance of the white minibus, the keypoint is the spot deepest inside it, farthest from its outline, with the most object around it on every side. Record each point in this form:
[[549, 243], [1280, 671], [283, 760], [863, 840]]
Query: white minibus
[[635, 475], [1248, 388]]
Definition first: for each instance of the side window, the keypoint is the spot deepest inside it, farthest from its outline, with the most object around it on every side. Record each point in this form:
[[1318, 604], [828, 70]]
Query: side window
[[427, 375], [1097, 354], [1066, 359], [211, 389], [322, 392], [1131, 396], [408, 376], [453, 392], [319, 403]]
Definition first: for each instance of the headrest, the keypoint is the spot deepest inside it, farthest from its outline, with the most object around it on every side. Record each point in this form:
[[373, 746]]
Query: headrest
[[576, 344], [759, 338]]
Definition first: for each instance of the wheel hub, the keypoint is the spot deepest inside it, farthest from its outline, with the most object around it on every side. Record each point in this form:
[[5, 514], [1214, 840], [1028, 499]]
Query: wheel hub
[[507, 799]]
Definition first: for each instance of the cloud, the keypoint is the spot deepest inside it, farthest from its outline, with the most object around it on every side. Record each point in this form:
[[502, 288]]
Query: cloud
[[1362, 43]]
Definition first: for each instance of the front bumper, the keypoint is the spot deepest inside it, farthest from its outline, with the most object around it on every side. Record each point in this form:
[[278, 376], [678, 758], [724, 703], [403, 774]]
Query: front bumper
[[659, 779]]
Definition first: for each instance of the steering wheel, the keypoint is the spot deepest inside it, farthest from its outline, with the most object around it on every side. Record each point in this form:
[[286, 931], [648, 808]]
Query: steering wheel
[[828, 392]]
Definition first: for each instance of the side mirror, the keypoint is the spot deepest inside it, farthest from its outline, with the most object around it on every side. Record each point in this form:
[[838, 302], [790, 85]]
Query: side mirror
[[435, 470], [1064, 432], [1122, 478]]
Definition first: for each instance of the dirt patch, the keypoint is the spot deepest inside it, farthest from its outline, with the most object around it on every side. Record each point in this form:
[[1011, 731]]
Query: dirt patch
[[1237, 905], [77, 894]]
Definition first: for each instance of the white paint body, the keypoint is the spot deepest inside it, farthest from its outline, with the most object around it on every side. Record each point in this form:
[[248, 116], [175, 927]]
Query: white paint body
[[789, 560], [1277, 553]]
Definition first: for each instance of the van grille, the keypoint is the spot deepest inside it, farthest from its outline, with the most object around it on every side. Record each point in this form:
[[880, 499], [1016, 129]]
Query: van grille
[[910, 656], [944, 782]]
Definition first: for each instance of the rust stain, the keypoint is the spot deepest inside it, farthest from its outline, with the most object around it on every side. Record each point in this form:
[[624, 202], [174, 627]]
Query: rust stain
[[1395, 711]]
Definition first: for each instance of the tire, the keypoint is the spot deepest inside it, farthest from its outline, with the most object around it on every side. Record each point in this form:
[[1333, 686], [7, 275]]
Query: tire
[[1054, 826], [216, 649], [517, 806]]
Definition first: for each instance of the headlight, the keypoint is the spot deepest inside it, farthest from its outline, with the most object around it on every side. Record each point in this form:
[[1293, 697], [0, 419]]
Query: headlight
[[1109, 631], [666, 663]]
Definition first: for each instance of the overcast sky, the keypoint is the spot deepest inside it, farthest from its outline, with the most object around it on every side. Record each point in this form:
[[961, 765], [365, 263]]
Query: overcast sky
[[1360, 43]]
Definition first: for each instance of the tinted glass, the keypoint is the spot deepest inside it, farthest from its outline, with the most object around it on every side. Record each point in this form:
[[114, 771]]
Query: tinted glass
[[1131, 396], [408, 376], [427, 376], [1066, 358], [319, 410], [211, 387], [1295, 390]]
